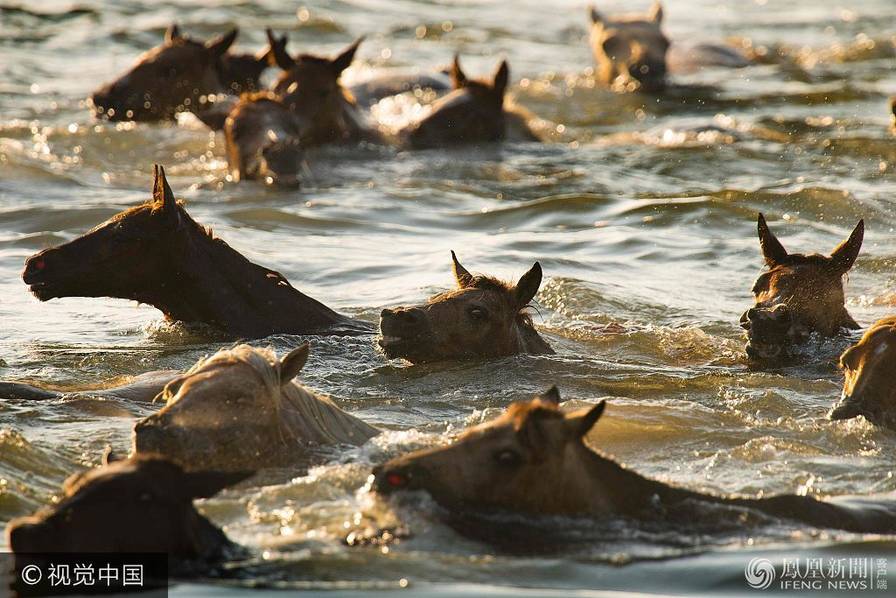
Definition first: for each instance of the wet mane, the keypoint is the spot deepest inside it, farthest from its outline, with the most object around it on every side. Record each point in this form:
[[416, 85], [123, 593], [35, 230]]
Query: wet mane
[[301, 415]]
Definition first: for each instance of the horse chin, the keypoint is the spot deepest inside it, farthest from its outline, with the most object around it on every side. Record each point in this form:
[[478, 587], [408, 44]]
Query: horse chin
[[44, 291], [416, 349]]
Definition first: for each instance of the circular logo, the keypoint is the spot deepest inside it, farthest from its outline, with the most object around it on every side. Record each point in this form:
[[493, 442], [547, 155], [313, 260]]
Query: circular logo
[[31, 574], [760, 573]]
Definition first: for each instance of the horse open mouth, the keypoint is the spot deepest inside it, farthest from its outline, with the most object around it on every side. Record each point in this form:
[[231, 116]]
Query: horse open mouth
[[398, 346], [42, 290], [760, 351]]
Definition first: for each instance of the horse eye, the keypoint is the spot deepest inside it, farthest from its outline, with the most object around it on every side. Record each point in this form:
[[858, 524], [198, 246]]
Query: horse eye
[[508, 458], [477, 313]]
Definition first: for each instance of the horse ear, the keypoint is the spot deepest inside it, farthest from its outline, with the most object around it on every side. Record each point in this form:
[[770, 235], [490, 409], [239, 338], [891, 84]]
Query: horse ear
[[595, 16], [502, 75], [656, 12], [772, 250], [461, 275], [219, 45], [292, 364], [844, 256], [278, 51], [458, 78], [527, 286], [580, 422], [110, 456], [268, 54], [162, 195], [172, 34], [344, 60], [551, 395], [205, 484]]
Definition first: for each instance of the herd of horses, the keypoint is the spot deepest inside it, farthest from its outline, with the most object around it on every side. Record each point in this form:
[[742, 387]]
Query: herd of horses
[[531, 460]]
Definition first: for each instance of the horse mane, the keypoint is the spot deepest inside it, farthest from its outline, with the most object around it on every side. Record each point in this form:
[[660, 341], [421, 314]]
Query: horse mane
[[302, 415]]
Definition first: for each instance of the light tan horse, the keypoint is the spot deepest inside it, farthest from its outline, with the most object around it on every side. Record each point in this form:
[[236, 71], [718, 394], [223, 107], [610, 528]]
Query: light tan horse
[[869, 368], [630, 50], [241, 409]]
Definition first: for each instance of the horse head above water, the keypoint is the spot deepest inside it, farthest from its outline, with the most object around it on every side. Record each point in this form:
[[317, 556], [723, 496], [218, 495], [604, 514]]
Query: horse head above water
[[798, 295], [533, 460], [483, 317], [155, 253], [241, 409], [142, 504], [173, 77], [630, 50], [869, 368], [309, 86], [472, 113]]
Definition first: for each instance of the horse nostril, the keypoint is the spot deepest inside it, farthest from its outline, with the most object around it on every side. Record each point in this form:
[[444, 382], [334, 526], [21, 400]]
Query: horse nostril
[[396, 479]]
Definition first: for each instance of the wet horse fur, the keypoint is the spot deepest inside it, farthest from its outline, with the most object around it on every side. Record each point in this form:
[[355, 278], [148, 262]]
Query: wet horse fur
[[242, 409], [869, 369], [533, 460], [482, 317], [797, 296], [140, 505], [157, 254]]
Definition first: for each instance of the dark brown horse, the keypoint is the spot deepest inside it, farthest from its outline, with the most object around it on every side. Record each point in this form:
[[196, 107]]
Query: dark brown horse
[[180, 75], [533, 460], [157, 254], [798, 295], [139, 505], [869, 385], [310, 88], [483, 317], [475, 112]]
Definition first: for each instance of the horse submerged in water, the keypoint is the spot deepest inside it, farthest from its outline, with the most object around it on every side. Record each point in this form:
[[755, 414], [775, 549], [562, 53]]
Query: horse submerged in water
[[869, 367], [533, 460], [180, 75], [242, 409], [633, 54], [799, 295], [266, 132], [139, 505], [474, 112], [155, 253], [483, 317]]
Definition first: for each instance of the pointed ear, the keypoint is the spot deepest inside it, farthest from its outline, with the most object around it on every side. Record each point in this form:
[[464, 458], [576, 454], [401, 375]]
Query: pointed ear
[[502, 74], [205, 484], [344, 60], [580, 422], [219, 45], [844, 256], [110, 456], [551, 395], [527, 286], [162, 195], [292, 364], [772, 250], [458, 78], [461, 275], [595, 16], [656, 12], [278, 52], [172, 34]]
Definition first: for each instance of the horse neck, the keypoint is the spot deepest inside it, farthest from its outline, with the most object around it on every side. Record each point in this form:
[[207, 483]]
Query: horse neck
[[310, 418], [213, 283]]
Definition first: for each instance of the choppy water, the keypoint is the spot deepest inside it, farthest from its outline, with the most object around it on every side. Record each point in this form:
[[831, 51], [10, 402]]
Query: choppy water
[[645, 230]]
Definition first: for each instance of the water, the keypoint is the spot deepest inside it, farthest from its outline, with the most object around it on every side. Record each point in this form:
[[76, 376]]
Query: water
[[644, 225]]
